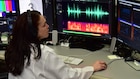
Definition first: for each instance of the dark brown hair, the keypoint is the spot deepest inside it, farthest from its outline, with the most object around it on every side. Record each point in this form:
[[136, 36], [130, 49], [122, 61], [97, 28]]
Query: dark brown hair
[[19, 46]]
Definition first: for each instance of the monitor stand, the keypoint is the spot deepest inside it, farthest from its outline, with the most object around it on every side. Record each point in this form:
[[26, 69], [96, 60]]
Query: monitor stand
[[86, 43], [112, 46]]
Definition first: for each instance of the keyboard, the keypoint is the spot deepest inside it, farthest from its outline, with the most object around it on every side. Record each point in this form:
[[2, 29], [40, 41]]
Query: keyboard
[[70, 60]]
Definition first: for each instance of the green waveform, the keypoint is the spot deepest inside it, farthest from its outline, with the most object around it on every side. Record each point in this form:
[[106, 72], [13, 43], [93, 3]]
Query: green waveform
[[96, 12], [75, 11]]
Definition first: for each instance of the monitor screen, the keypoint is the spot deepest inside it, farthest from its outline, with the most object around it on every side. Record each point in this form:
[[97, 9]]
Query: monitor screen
[[87, 17], [128, 23], [8, 8]]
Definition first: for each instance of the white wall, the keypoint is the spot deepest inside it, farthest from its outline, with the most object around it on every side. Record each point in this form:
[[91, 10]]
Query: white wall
[[24, 5]]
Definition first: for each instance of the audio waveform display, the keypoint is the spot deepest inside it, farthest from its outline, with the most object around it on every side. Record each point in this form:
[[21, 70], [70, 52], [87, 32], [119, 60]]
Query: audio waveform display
[[88, 27], [95, 12], [75, 11]]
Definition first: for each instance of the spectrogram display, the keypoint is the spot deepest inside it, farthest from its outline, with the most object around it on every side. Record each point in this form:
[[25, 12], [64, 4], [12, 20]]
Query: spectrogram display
[[88, 27], [7, 6]]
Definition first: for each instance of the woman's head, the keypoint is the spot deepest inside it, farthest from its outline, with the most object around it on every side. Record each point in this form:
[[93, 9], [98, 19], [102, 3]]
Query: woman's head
[[30, 26]]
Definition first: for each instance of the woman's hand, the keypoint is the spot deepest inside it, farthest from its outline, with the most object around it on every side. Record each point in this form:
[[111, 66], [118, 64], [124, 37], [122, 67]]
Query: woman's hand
[[99, 65]]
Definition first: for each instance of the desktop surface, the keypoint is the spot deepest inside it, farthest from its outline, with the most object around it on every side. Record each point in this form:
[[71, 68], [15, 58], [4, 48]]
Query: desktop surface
[[117, 69]]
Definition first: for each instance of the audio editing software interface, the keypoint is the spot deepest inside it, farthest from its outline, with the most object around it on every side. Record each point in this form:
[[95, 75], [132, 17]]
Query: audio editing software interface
[[85, 20]]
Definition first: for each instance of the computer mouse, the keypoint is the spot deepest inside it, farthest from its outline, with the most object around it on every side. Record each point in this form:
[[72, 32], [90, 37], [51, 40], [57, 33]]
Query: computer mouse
[[129, 59]]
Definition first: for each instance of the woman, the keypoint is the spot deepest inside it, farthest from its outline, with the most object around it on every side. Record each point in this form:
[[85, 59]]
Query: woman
[[26, 58]]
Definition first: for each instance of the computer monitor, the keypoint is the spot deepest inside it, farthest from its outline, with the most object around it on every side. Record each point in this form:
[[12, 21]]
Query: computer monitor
[[8, 13], [83, 18], [8, 8], [128, 24], [86, 17]]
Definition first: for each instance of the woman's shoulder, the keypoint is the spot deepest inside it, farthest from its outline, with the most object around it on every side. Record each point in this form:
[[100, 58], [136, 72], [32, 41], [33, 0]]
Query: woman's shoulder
[[45, 48], [46, 51]]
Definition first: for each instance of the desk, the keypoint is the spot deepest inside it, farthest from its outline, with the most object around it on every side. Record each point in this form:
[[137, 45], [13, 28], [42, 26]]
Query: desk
[[116, 70]]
